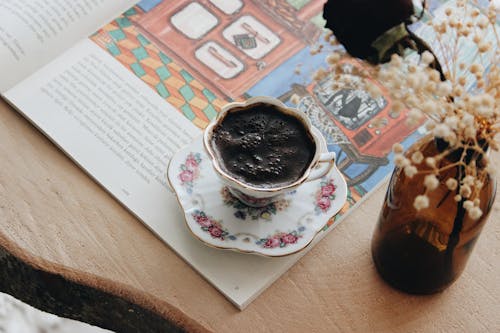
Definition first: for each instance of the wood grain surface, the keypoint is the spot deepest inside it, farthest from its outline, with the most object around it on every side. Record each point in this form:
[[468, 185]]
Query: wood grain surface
[[54, 220]]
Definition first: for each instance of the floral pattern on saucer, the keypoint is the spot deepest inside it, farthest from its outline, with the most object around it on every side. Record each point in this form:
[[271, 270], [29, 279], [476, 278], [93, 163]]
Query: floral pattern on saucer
[[222, 222], [281, 239], [213, 227], [324, 196], [243, 211], [190, 171]]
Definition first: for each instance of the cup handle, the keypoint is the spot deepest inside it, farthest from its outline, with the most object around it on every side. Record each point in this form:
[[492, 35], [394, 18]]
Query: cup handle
[[326, 163]]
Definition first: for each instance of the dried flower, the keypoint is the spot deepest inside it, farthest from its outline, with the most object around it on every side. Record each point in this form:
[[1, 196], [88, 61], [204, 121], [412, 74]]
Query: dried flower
[[421, 202], [430, 161], [427, 58], [468, 205], [475, 213], [397, 148], [417, 157], [410, 171], [401, 161], [460, 98], [441, 131], [431, 182], [452, 184], [468, 180], [465, 191]]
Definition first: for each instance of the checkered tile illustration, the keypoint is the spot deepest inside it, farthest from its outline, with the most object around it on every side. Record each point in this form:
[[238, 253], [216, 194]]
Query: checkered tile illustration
[[172, 82]]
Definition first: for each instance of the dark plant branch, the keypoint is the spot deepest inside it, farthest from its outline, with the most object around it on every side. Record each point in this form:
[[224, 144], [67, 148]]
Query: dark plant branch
[[424, 4], [422, 46], [458, 224]]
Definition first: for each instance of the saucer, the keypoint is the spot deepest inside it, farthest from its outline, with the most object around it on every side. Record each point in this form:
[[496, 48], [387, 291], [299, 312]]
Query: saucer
[[219, 220]]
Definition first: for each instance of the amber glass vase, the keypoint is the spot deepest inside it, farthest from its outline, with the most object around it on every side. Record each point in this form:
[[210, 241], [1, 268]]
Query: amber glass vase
[[423, 252]]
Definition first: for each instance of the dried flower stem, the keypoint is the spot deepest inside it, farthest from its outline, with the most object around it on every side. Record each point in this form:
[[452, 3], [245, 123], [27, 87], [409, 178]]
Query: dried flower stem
[[461, 100]]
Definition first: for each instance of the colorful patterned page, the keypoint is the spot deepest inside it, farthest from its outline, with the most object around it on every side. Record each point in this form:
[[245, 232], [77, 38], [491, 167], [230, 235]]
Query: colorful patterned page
[[239, 49], [242, 48], [199, 55]]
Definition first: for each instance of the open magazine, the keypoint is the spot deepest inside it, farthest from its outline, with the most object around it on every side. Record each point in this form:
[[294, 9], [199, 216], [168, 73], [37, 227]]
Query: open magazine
[[120, 87]]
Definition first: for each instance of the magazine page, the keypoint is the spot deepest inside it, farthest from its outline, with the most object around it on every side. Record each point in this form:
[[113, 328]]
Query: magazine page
[[239, 49], [123, 134], [123, 101], [34, 32]]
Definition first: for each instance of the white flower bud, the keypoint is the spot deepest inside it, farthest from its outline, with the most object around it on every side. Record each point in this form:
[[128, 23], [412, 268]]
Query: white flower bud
[[452, 139], [468, 180], [421, 202], [467, 120], [410, 171], [485, 105], [468, 205], [475, 213], [458, 91], [431, 182], [397, 148], [427, 58], [452, 184], [430, 107], [401, 161], [444, 89], [452, 122], [430, 125], [396, 60], [470, 132], [414, 81], [441, 131], [417, 157], [434, 75], [465, 191], [412, 101], [415, 114]]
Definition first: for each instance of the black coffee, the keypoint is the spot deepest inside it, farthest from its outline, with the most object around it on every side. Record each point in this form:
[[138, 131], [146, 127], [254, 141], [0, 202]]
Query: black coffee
[[264, 146]]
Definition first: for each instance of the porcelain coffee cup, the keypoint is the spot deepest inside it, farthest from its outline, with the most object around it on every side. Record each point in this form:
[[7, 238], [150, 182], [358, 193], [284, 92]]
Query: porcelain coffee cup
[[250, 194]]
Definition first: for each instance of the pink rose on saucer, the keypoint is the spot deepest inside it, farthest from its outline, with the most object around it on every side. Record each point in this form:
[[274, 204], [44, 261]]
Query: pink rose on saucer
[[272, 243], [327, 190], [191, 162], [324, 203], [186, 176], [203, 221], [216, 232], [289, 239]]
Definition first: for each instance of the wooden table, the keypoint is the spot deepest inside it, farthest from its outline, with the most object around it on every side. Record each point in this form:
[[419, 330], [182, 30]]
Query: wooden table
[[69, 248]]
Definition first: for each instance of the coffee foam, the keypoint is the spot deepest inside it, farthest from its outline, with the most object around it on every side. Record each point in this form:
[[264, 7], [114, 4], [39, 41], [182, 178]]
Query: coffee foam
[[263, 145]]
